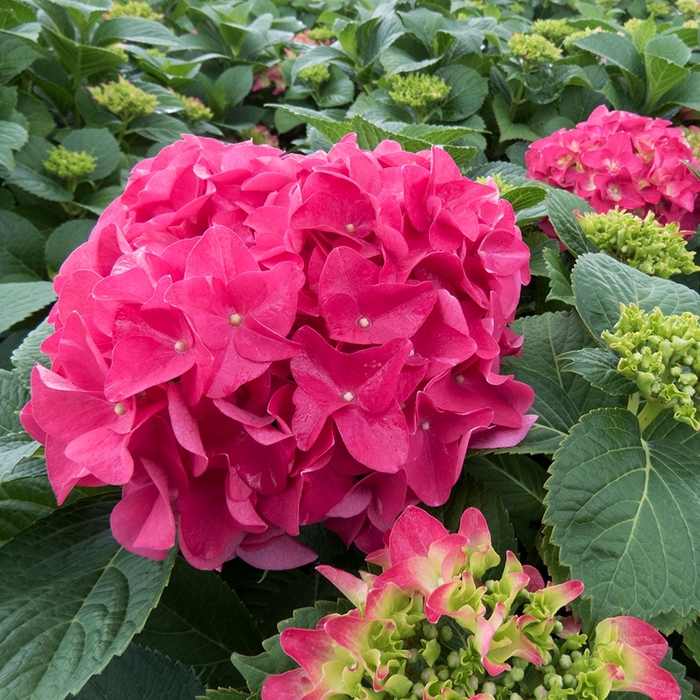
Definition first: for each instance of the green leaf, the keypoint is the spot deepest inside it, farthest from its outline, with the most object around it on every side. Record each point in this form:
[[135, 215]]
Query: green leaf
[[626, 515], [468, 90], [141, 674], [100, 144], [28, 354], [82, 60], [200, 622], [15, 443], [224, 694], [317, 56], [21, 253], [338, 90], [685, 94], [159, 127], [664, 61], [672, 622], [25, 496], [41, 122], [60, 624], [21, 299], [561, 398], [524, 197], [559, 277], [65, 239], [13, 135], [333, 130], [599, 367], [13, 13], [519, 481], [538, 265], [235, 83], [508, 131], [137, 30], [435, 133], [98, 201], [691, 638], [38, 185], [15, 56], [601, 283], [561, 206]]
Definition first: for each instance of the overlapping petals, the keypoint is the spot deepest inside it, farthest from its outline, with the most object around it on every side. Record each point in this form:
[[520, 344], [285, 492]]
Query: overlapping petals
[[252, 341]]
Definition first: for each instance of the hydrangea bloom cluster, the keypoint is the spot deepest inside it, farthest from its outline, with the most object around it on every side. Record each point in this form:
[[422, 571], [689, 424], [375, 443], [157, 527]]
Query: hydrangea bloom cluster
[[662, 354], [428, 627], [69, 165], [620, 159], [124, 99], [640, 243], [252, 341], [418, 90]]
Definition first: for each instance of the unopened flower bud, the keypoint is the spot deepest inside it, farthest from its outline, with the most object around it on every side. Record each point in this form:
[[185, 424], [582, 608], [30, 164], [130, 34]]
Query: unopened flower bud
[[517, 674], [489, 688], [418, 90], [565, 662]]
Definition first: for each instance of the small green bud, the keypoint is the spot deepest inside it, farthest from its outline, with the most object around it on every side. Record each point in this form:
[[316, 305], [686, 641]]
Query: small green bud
[[453, 659], [430, 631], [569, 681], [489, 688], [540, 692], [418, 90], [473, 683], [446, 633], [558, 627], [508, 681], [553, 680], [575, 655], [517, 674], [556, 30], [134, 8], [428, 676], [316, 75], [443, 674], [418, 689], [515, 696], [195, 109], [565, 661], [69, 165]]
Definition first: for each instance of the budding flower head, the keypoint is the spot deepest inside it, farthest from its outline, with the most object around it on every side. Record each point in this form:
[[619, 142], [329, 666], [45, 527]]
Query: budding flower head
[[690, 9], [316, 75], [133, 8], [418, 90], [195, 109], [124, 99], [662, 354], [260, 136], [69, 165], [644, 244], [321, 34], [556, 30], [533, 48]]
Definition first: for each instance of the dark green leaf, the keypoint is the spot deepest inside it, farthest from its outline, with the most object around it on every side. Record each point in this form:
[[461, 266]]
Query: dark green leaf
[[538, 265], [141, 674], [224, 694], [28, 354], [561, 206], [468, 90], [82, 60], [39, 185], [333, 130], [559, 277], [135, 29], [561, 398], [15, 56], [15, 443], [100, 144], [508, 131], [626, 515], [662, 75], [13, 135], [599, 367], [601, 283], [21, 253], [435, 133], [235, 83], [685, 94], [98, 201], [21, 299], [159, 127], [338, 90], [200, 622], [41, 122], [524, 197], [70, 599], [65, 239]]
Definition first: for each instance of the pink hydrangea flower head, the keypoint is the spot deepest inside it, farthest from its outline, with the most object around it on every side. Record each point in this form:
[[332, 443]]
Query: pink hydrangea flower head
[[302, 338]]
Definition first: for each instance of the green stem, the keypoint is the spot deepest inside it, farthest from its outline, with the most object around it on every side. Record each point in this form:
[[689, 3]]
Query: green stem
[[652, 409], [633, 403]]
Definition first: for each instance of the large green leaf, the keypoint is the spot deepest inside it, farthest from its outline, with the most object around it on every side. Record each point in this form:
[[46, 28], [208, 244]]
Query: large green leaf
[[665, 57], [626, 514], [332, 129], [26, 355], [100, 144], [39, 185], [21, 299], [15, 443], [15, 56], [561, 398], [70, 599], [136, 29], [685, 94], [467, 93], [80, 59], [159, 127], [509, 131], [142, 674], [561, 206], [21, 255], [599, 367], [200, 622], [601, 284]]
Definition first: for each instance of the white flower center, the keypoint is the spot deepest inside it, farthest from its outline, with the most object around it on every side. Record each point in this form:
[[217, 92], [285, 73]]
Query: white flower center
[[425, 425], [363, 322], [350, 228], [348, 396], [235, 319], [181, 346]]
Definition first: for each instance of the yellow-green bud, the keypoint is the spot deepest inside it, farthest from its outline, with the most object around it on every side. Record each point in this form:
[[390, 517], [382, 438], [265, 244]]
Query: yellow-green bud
[[124, 99], [316, 75], [580, 35], [658, 7], [641, 243], [533, 48], [195, 109], [417, 89], [133, 8], [660, 353], [69, 165], [321, 34], [556, 30]]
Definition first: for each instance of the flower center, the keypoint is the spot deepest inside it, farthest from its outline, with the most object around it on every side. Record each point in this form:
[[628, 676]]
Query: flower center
[[235, 319], [363, 322], [425, 425], [350, 228], [120, 409], [459, 378], [181, 346], [348, 396]]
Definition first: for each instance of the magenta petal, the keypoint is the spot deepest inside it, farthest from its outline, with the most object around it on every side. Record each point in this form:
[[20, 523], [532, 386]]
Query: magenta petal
[[274, 551], [413, 533], [283, 686], [635, 633], [103, 452], [309, 648]]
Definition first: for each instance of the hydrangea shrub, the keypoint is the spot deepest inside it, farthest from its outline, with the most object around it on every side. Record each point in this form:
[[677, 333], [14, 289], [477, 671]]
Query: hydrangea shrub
[[252, 341]]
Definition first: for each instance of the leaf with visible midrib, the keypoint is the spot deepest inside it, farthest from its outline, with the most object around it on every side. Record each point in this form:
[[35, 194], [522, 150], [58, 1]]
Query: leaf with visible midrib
[[626, 514], [70, 599]]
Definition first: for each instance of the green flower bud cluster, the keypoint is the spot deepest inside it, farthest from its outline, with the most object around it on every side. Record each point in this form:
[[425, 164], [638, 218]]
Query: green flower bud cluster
[[502, 185], [316, 75], [321, 34], [533, 48], [124, 99], [418, 90], [662, 354], [260, 136], [644, 244], [556, 30], [658, 7], [580, 35], [195, 109], [690, 9], [134, 8], [69, 165]]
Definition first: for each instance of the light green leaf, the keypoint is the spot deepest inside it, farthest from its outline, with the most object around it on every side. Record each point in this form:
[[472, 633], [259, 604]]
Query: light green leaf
[[599, 367], [21, 299], [561, 206], [317, 56], [338, 90], [65, 239], [100, 144], [524, 197], [21, 251], [662, 75], [142, 674], [60, 624], [395, 60], [435, 133], [559, 277], [685, 94], [561, 398], [39, 185], [200, 622], [626, 515], [601, 283]]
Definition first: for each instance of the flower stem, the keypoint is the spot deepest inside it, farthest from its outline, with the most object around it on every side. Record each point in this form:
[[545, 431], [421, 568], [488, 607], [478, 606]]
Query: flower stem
[[652, 409]]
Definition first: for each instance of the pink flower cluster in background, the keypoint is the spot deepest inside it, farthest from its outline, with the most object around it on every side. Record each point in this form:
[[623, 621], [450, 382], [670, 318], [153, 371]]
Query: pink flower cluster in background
[[620, 159], [252, 341]]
